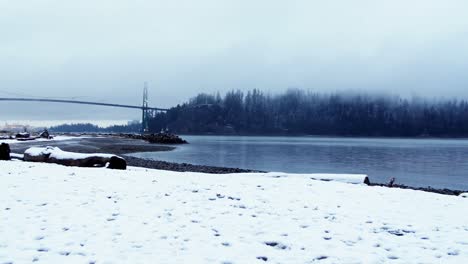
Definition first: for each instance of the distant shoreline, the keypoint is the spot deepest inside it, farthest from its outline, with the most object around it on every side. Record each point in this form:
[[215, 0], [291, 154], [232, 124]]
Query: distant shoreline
[[319, 136]]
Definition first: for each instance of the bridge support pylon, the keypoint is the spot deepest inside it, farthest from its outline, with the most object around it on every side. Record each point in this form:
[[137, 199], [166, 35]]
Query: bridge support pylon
[[145, 111]]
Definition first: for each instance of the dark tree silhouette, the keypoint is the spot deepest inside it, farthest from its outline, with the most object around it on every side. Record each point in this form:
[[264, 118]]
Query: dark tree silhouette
[[299, 112]]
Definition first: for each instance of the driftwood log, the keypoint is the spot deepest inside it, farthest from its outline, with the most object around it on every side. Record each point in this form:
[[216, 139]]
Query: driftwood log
[[56, 155]]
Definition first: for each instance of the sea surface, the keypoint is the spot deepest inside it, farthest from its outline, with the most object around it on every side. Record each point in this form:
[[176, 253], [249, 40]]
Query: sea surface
[[439, 163]]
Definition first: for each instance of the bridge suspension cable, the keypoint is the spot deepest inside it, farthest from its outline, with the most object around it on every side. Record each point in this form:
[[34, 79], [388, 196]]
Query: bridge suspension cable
[[82, 102]]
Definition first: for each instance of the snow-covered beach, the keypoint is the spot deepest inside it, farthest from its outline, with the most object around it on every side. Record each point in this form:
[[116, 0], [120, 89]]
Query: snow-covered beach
[[55, 214]]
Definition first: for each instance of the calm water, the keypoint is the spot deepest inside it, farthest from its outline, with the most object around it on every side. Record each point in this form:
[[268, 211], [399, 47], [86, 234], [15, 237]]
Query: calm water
[[415, 162]]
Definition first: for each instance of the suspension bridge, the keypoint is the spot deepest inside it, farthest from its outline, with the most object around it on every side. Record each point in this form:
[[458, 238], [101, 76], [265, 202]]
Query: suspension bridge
[[147, 111]]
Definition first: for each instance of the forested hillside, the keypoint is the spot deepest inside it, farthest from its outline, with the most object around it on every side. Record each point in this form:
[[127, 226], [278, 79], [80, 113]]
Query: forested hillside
[[298, 112]]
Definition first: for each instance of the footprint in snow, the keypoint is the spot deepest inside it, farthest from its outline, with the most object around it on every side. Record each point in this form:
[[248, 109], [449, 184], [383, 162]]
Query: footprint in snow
[[276, 245], [320, 258], [453, 253], [279, 176]]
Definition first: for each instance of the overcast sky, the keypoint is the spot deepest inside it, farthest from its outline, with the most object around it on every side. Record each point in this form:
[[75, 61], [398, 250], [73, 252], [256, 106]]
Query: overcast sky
[[106, 49]]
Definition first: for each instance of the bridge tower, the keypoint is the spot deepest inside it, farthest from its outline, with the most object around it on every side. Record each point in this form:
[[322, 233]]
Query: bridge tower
[[145, 110]]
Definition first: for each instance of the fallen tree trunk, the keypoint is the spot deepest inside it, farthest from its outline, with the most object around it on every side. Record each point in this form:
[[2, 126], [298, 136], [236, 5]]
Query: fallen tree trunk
[[58, 156]]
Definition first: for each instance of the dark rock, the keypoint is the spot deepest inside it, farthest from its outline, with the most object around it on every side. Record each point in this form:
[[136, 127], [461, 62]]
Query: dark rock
[[23, 135], [5, 152], [391, 182], [367, 181], [159, 138], [44, 134], [164, 138], [117, 163]]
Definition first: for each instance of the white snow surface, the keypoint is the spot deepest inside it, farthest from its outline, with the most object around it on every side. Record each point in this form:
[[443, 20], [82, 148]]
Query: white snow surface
[[56, 214], [57, 153]]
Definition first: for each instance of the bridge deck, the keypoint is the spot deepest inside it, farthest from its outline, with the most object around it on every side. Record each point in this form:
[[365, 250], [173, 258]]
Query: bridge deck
[[82, 102]]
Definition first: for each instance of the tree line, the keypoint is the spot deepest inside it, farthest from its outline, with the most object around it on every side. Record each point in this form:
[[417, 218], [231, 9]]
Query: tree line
[[91, 128], [299, 112]]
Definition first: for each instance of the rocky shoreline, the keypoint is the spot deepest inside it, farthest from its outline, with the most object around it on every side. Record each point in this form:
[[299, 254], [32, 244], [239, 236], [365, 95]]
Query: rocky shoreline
[[158, 138], [181, 167], [424, 189]]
